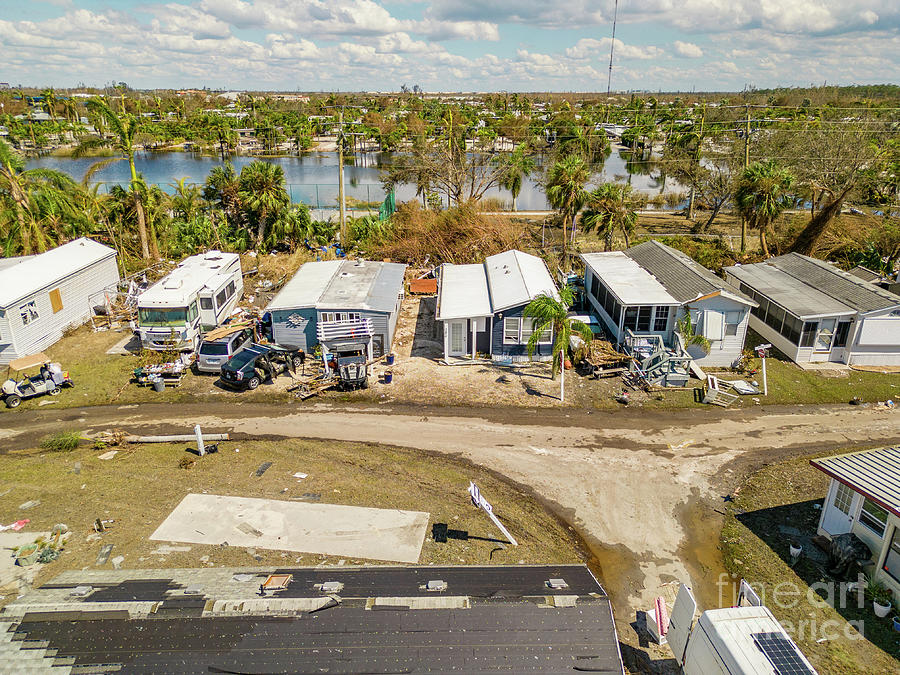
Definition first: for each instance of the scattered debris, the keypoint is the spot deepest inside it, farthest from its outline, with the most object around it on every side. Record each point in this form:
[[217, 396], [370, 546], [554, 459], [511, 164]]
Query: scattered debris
[[103, 555], [16, 526], [103, 525], [117, 561], [108, 455], [30, 504], [247, 528], [263, 468], [178, 438], [186, 463], [300, 476], [77, 468]]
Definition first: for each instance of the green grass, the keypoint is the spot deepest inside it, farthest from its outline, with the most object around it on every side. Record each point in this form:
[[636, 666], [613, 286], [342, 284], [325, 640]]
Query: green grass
[[784, 495]]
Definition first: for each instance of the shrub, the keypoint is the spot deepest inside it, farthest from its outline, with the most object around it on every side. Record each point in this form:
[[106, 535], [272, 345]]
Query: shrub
[[62, 441]]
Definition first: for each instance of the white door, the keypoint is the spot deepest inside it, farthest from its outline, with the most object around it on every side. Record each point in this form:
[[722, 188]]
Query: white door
[[825, 335], [458, 338], [681, 622], [839, 510]]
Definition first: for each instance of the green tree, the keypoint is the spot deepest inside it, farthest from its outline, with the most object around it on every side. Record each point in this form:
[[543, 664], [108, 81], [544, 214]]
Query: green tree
[[550, 313], [565, 190], [762, 196], [519, 166], [609, 208], [124, 140], [264, 195]]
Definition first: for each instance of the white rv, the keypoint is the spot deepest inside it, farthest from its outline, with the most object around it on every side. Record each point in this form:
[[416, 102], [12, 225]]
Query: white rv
[[196, 296], [731, 641]]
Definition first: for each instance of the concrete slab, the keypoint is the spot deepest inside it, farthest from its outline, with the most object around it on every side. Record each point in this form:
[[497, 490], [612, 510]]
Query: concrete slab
[[13, 579], [130, 344], [330, 529]]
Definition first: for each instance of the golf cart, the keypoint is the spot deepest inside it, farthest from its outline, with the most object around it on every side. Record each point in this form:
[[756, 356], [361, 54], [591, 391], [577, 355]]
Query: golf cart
[[19, 385], [352, 368]]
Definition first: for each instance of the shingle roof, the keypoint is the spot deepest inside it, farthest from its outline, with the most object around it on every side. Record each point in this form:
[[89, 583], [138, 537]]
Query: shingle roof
[[865, 273], [842, 286], [873, 473], [684, 278], [795, 295]]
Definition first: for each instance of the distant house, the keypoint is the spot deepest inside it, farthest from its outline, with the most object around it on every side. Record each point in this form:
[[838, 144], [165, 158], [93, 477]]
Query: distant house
[[481, 307], [42, 295], [864, 498], [645, 289], [336, 301], [812, 311]]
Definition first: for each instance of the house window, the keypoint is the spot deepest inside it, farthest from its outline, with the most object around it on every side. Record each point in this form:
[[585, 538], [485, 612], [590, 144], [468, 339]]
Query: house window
[[732, 321], [528, 327], [892, 561], [327, 317], [808, 336], [56, 301], [29, 312], [631, 318], [840, 335], [644, 315], [874, 517], [206, 303], [511, 325], [843, 498], [661, 320]]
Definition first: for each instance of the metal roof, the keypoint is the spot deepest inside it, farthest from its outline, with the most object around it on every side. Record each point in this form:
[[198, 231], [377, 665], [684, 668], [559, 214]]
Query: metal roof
[[631, 283], [515, 278], [343, 285], [683, 277], [794, 295], [873, 473], [383, 620], [192, 275], [40, 271], [463, 292]]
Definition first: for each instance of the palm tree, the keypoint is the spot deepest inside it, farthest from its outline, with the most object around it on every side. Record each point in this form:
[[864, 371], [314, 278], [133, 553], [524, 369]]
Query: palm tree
[[263, 192], [611, 207], [20, 186], [565, 190], [187, 200], [548, 313], [762, 195], [50, 101], [124, 129], [518, 167]]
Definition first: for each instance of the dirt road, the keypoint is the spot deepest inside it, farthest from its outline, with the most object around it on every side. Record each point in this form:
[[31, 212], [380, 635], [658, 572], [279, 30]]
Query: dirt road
[[642, 489]]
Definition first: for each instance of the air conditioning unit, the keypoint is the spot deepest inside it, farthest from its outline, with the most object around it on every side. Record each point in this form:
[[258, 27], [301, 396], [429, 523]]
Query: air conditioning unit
[[557, 584]]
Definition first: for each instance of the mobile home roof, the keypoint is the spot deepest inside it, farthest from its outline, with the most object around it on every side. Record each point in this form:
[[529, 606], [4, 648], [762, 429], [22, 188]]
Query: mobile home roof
[[463, 293], [630, 282], [191, 276], [40, 271], [873, 473], [515, 278]]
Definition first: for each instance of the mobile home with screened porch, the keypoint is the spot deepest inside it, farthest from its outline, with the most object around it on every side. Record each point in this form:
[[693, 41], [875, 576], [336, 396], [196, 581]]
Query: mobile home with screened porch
[[42, 295]]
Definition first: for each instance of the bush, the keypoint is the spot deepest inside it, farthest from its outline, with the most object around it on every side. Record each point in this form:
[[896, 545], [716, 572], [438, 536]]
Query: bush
[[62, 441]]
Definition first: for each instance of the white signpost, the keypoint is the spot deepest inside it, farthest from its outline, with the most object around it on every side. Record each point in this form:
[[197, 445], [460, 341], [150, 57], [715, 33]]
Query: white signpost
[[483, 504], [762, 351]]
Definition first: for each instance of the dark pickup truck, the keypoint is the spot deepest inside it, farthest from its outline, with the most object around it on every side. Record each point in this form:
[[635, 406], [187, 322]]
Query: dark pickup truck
[[257, 363]]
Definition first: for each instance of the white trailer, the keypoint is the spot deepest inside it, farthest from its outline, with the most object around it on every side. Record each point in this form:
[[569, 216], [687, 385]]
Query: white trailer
[[196, 296], [732, 641]]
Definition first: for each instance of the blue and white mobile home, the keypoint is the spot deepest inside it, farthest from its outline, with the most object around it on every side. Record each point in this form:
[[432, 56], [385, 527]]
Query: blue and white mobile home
[[481, 307], [338, 301]]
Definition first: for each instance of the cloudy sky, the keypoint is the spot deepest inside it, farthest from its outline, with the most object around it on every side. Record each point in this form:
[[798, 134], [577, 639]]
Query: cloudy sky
[[449, 45]]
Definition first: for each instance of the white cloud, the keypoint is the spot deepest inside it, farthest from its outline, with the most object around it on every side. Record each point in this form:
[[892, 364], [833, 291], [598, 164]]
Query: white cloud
[[687, 49]]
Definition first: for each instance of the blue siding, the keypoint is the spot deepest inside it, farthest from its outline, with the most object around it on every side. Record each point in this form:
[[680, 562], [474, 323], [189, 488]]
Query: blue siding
[[287, 336], [498, 349]]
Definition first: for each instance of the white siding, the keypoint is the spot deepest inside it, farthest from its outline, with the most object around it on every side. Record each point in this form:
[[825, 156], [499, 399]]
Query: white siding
[[724, 352], [876, 355], [782, 344], [75, 292]]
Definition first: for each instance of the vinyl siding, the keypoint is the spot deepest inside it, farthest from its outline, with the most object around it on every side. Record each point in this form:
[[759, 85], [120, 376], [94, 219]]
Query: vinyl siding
[[75, 292], [518, 352], [288, 336], [724, 352], [875, 355]]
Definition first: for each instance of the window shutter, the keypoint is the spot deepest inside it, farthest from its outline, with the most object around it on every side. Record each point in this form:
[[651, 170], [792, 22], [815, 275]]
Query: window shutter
[[56, 300]]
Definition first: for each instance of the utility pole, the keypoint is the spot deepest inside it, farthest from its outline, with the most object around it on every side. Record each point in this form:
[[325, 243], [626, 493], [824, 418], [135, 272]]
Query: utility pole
[[746, 164], [340, 144], [612, 46]]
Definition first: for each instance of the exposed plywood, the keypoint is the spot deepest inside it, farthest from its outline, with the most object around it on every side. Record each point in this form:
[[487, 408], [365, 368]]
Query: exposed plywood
[[329, 529], [56, 300]]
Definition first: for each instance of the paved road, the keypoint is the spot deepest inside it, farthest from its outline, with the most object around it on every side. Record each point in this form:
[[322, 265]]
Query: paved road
[[642, 488]]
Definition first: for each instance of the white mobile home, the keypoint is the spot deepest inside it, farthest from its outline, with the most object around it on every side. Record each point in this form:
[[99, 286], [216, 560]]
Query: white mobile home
[[864, 498], [812, 311], [42, 295], [197, 295], [645, 289], [334, 301]]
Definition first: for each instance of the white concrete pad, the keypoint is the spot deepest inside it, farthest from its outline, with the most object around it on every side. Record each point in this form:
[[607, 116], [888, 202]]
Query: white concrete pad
[[330, 529]]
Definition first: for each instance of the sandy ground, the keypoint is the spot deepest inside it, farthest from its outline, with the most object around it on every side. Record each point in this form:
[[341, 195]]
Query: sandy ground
[[643, 490]]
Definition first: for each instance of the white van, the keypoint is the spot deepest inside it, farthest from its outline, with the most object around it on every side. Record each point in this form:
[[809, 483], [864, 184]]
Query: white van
[[732, 641], [196, 296]]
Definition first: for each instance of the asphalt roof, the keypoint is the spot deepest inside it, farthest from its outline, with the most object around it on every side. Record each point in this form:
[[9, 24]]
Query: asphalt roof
[[683, 277], [489, 620], [864, 273], [809, 287], [343, 285], [628, 280], [873, 473], [33, 273]]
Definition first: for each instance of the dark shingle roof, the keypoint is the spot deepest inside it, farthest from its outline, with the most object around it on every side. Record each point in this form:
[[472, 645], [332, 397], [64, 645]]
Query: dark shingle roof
[[842, 286], [684, 278], [874, 473], [865, 273]]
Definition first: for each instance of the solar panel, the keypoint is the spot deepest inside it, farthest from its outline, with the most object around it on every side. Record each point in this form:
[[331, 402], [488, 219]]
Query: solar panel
[[782, 654]]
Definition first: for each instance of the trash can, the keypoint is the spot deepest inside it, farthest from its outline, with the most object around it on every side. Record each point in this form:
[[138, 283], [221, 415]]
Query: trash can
[[158, 384], [390, 359], [388, 376]]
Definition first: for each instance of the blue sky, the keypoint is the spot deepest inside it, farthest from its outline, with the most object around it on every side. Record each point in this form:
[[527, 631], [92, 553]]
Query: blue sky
[[449, 45]]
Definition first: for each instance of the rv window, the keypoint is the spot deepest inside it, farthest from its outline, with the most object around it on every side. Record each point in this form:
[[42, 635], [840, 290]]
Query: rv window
[[162, 316], [221, 299], [192, 312], [230, 288], [29, 312], [206, 303]]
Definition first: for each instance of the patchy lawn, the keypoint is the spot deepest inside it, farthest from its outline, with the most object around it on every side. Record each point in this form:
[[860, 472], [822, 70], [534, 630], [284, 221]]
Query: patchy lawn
[[141, 485], [769, 508]]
